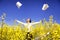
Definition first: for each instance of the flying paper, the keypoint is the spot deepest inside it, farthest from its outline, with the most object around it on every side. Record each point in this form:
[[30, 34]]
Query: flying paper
[[45, 7], [18, 4]]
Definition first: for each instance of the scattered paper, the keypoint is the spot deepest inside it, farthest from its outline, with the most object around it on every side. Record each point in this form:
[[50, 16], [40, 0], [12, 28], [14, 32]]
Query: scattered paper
[[45, 7], [18, 4]]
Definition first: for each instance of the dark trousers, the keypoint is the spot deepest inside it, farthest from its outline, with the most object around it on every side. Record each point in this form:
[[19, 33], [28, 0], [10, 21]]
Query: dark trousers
[[29, 36]]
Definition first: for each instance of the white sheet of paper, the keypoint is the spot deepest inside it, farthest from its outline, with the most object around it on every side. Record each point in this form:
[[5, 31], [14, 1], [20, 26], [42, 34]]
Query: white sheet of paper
[[18, 4], [45, 7]]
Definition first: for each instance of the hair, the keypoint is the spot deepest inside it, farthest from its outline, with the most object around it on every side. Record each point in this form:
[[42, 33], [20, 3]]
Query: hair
[[29, 21]]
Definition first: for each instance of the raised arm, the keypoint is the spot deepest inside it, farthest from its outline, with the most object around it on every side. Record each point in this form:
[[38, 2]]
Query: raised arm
[[35, 23], [20, 22]]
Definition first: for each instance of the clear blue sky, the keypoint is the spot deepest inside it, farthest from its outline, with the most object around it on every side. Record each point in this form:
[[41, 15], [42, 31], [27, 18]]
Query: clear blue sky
[[30, 9]]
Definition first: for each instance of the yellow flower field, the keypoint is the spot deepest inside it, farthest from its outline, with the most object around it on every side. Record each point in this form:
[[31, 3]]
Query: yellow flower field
[[44, 31]]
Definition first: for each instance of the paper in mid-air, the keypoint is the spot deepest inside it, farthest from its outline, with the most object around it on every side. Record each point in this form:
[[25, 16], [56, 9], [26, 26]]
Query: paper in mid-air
[[18, 4], [45, 7]]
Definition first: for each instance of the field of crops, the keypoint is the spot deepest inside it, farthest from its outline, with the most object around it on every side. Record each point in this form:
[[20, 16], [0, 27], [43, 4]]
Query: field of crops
[[45, 30]]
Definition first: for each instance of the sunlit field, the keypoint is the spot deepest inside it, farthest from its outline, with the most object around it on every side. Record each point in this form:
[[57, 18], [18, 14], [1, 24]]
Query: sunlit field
[[45, 30]]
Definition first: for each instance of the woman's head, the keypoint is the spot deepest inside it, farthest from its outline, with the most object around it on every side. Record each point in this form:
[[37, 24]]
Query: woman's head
[[28, 20]]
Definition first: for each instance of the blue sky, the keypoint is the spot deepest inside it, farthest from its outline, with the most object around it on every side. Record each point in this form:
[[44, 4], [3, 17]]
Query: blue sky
[[29, 9]]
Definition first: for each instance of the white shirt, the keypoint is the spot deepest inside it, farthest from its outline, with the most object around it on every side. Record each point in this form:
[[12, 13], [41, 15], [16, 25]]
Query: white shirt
[[27, 24]]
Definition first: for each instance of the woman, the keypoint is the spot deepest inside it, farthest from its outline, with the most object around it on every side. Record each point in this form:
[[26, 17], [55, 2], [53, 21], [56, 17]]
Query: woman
[[28, 24]]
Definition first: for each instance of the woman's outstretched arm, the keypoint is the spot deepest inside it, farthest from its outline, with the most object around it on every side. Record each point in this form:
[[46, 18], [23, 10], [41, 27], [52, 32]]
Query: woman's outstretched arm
[[20, 22], [35, 23]]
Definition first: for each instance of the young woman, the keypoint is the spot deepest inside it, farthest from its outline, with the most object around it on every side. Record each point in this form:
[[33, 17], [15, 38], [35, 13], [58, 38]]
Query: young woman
[[28, 24]]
